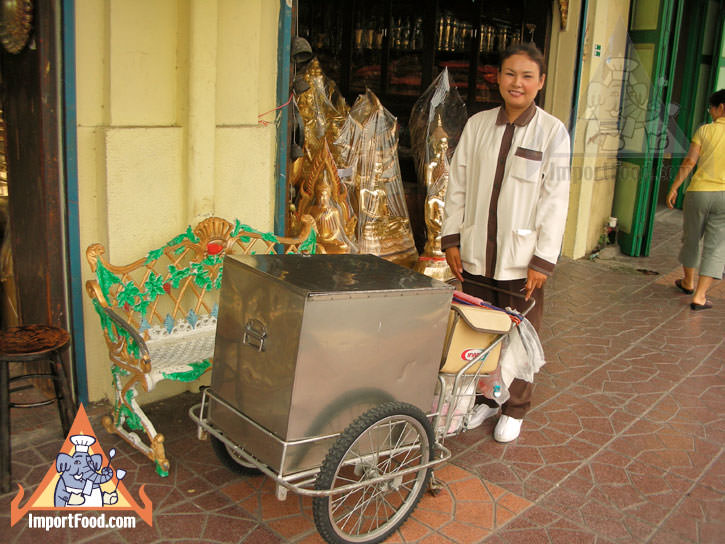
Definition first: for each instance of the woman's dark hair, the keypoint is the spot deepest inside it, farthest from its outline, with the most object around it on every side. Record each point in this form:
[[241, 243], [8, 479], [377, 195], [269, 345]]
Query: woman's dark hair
[[528, 49], [717, 98]]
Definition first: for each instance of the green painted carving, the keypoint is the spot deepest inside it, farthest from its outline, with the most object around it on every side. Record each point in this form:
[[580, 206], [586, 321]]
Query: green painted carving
[[106, 278], [176, 275], [197, 369], [154, 255], [133, 422], [310, 244], [130, 294], [114, 332], [106, 323], [160, 471], [212, 260], [154, 287], [188, 235], [118, 371]]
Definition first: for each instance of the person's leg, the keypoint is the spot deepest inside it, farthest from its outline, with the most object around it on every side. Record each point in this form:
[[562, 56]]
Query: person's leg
[[689, 276], [693, 226], [520, 390], [520, 400], [713, 247], [703, 284]]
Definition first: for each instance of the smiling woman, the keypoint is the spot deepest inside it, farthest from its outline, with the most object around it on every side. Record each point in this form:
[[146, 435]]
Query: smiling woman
[[506, 206], [520, 78]]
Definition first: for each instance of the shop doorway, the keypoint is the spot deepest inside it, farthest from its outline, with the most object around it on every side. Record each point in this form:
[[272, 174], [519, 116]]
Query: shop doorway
[[669, 76], [31, 95], [700, 71]]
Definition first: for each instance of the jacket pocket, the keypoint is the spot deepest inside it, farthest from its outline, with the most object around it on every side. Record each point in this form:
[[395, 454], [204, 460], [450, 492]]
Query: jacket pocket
[[472, 244], [524, 168], [523, 244], [530, 154]]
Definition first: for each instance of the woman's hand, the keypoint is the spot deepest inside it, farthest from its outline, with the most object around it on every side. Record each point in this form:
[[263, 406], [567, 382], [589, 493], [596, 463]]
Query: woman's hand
[[534, 280], [453, 258], [671, 197]]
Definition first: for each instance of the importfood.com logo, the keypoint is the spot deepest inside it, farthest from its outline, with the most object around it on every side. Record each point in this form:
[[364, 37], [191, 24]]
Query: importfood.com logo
[[81, 488]]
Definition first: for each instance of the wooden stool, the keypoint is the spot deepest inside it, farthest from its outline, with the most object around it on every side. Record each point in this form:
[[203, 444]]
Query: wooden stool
[[31, 344]]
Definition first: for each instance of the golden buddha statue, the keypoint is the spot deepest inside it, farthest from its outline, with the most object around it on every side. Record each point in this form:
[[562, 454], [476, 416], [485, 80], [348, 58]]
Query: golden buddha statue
[[322, 108], [323, 111], [432, 261], [323, 195], [329, 220]]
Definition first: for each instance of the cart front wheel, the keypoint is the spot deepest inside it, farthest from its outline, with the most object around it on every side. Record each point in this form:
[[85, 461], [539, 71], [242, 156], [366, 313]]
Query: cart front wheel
[[384, 441], [230, 459]]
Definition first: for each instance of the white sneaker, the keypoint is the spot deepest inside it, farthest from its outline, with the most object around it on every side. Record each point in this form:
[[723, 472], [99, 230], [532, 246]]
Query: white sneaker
[[507, 429], [480, 414]]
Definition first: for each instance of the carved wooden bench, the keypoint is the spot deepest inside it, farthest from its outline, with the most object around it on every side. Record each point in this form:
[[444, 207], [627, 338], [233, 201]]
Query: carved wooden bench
[[158, 314]]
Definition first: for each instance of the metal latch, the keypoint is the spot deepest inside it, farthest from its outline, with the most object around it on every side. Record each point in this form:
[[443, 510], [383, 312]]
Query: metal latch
[[254, 334]]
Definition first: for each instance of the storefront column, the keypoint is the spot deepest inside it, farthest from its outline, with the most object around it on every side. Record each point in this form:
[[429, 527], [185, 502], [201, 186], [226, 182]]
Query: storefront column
[[203, 21]]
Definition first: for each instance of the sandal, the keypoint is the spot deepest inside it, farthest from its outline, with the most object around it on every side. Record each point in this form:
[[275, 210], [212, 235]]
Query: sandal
[[698, 307], [678, 284]]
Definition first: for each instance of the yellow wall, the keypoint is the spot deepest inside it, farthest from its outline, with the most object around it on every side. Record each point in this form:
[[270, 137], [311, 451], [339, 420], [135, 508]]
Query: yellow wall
[[596, 137], [168, 94]]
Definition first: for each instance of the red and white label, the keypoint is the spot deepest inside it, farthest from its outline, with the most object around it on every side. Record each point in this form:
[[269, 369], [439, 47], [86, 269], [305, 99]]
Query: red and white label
[[470, 354]]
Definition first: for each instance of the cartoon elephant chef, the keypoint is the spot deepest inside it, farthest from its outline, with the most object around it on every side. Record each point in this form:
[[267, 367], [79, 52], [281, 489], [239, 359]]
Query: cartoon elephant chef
[[80, 482]]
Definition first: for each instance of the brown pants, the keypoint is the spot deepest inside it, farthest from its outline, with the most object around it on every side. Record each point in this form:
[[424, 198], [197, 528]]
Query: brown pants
[[520, 390]]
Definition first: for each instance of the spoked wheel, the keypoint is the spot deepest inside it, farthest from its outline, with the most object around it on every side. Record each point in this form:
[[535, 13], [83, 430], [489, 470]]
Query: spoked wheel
[[383, 441], [231, 459]]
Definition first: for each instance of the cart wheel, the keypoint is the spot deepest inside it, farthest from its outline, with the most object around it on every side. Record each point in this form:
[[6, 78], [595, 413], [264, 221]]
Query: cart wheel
[[384, 440], [230, 459]]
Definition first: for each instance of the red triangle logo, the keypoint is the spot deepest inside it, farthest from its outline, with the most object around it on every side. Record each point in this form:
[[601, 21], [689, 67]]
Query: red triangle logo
[[81, 478]]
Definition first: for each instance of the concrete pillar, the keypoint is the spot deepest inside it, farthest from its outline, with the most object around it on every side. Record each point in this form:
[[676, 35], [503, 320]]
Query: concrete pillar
[[201, 121]]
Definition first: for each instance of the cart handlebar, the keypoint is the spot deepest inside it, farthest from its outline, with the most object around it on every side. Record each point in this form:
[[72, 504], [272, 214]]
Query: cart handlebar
[[532, 302]]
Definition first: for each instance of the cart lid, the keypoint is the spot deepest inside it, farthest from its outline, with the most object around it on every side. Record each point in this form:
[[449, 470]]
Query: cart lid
[[326, 274]]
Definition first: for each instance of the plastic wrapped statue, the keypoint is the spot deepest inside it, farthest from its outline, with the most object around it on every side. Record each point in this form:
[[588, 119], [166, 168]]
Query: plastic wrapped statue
[[368, 150], [323, 109], [436, 123]]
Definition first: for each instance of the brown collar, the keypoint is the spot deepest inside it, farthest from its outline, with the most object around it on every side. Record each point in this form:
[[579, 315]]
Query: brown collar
[[521, 121]]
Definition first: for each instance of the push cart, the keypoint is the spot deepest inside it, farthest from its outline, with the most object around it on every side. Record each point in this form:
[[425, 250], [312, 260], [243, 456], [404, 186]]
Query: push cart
[[326, 369]]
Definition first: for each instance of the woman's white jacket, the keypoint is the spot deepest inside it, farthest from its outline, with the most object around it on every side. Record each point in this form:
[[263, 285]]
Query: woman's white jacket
[[533, 201]]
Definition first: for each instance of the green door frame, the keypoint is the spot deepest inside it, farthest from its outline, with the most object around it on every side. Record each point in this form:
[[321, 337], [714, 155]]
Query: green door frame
[[717, 80], [640, 165], [662, 129]]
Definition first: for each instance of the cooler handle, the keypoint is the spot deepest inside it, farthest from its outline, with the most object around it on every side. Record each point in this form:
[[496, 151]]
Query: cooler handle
[[254, 334]]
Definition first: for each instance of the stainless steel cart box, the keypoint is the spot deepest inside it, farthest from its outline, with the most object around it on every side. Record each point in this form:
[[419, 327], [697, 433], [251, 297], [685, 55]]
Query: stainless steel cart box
[[306, 343]]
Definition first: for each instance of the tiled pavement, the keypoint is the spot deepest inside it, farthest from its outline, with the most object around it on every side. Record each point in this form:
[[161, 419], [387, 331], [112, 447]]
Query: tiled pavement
[[624, 442]]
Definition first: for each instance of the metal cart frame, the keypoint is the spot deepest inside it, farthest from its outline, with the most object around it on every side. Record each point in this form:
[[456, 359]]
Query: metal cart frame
[[364, 464]]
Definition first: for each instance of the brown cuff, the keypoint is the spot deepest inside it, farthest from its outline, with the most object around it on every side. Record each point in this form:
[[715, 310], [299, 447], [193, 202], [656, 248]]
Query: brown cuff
[[541, 265], [451, 240]]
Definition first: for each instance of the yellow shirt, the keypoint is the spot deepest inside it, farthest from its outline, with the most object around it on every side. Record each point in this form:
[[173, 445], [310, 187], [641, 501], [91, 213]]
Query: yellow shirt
[[710, 174]]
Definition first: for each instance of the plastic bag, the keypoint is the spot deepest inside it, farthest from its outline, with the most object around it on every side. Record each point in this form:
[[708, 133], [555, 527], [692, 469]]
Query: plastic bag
[[462, 403], [492, 386], [368, 151]]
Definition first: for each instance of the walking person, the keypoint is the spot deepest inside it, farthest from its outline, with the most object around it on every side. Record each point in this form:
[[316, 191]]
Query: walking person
[[506, 207], [703, 207]]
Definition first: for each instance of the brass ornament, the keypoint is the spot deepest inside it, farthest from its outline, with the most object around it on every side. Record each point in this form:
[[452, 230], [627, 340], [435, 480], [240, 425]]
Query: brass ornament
[[16, 17], [564, 12]]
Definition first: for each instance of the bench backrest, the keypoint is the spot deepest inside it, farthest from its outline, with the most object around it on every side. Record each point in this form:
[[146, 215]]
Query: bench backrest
[[180, 280]]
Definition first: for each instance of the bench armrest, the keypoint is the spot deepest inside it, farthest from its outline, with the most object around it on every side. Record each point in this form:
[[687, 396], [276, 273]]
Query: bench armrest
[[94, 291]]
